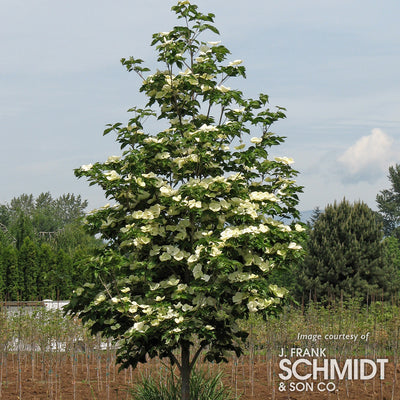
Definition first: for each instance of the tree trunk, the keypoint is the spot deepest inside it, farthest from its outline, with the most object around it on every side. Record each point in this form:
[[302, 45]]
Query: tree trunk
[[185, 371]]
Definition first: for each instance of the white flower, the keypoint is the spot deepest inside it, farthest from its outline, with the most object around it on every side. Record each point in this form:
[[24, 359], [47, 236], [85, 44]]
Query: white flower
[[236, 62], [197, 272], [133, 308], [299, 228], [193, 258], [113, 159], [278, 291], [167, 191], [215, 251], [162, 156], [177, 198], [284, 160], [165, 257], [208, 128], [99, 299], [214, 43], [209, 327], [173, 281], [140, 327], [187, 307], [140, 182], [204, 49], [149, 175], [112, 175], [86, 167], [223, 88], [238, 297], [252, 306], [214, 206], [256, 140], [183, 2], [294, 246]]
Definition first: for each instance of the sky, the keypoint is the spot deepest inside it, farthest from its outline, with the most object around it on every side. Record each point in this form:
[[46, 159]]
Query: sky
[[333, 64]]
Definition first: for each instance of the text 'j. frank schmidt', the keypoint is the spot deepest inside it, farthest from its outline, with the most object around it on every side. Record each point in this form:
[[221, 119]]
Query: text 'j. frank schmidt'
[[327, 368]]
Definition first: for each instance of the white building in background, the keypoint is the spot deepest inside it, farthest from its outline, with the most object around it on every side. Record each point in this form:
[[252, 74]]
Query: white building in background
[[13, 307]]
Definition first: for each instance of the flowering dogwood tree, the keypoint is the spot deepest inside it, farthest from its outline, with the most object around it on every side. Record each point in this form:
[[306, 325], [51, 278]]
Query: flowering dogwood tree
[[195, 223]]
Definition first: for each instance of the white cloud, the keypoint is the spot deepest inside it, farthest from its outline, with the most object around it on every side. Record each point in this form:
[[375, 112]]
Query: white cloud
[[368, 158]]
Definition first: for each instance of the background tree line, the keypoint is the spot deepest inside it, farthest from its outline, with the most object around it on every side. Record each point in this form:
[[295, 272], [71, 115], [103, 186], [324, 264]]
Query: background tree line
[[351, 250], [42, 244]]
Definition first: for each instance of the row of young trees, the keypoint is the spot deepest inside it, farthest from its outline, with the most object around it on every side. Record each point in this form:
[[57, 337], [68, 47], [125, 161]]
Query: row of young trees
[[43, 247]]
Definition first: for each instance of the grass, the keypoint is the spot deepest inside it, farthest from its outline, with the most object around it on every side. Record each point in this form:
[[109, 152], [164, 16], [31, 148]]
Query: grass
[[203, 386]]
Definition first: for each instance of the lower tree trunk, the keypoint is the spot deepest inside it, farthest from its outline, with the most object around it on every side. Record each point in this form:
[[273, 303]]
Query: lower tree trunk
[[185, 371]]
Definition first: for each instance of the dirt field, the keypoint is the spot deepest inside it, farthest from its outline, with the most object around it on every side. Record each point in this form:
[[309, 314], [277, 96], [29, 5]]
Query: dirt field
[[27, 377]]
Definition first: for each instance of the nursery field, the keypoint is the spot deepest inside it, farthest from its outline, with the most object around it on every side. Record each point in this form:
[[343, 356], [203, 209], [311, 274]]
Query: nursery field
[[46, 356], [98, 380]]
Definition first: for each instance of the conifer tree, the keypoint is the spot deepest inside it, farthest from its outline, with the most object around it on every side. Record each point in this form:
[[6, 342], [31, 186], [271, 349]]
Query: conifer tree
[[3, 274], [388, 201], [27, 262], [345, 254], [15, 278]]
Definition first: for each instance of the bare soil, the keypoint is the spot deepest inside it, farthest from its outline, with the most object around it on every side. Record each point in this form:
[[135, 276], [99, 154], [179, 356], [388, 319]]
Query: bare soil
[[84, 377]]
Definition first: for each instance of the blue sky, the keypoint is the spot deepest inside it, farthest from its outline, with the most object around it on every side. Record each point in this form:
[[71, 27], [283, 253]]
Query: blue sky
[[333, 64]]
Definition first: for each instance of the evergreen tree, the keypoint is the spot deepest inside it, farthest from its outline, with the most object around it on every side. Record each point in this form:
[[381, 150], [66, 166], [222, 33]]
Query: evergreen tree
[[63, 276], [15, 278], [22, 228], [389, 203], [27, 261], [47, 271], [345, 255], [3, 273]]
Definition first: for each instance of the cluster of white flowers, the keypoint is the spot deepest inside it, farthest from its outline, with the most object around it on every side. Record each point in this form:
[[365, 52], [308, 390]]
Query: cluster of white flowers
[[239, 276], [86, 167], [245, 207], [169, 252], [198, 273], [229, 232], [257, 303], [151, 213], [152, 139], [223, 88], [263, 196], [113, 159], [162, 156], [235, 63], [192, 203], [181, 161], [284, 160], [167, 191]]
